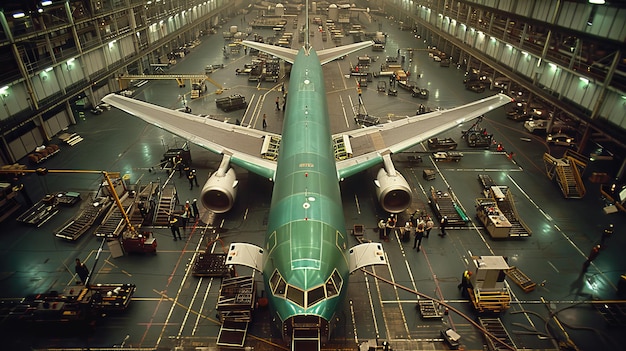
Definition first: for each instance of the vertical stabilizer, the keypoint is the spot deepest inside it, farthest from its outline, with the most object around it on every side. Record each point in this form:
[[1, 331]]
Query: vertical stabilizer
[[307, 43]]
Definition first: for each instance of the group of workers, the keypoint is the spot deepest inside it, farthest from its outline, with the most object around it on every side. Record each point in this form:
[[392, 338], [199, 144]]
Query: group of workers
[[418, 227], [178, 220]]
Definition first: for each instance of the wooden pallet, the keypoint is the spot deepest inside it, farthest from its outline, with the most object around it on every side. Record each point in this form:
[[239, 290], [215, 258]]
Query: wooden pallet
[[520, 279], [490, 301]]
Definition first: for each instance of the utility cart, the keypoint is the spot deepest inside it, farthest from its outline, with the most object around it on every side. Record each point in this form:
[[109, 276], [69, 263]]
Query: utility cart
[[483, 283]]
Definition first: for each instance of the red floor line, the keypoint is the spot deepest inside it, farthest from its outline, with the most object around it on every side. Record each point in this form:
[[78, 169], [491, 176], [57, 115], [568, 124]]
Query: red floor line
[[169, 280], [438, 289]]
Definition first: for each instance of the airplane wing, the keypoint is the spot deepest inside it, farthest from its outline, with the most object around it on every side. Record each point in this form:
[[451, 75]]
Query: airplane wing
[[369, 144], [286, 54], [243, 144]]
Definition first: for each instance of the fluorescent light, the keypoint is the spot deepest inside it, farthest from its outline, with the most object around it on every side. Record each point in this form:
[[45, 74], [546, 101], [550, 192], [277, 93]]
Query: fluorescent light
[[584, 80], [552, 65], [48, 69], [46, 3], [70, 61], [596, 2], [18, 15]]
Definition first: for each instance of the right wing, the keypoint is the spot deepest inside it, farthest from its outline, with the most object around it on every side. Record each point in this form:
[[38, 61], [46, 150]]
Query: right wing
[[370, 144], [242, 144]]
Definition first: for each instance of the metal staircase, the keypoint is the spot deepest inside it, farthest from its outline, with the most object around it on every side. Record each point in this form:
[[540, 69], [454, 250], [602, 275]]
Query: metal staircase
[[79, 224], [270, 147], [113, 223], [166, 204], [342, 147], [567, 172], [496, 328]]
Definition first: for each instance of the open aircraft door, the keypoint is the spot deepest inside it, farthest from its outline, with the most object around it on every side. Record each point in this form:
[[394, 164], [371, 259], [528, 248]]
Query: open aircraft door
[[245, 254], [365, 255]]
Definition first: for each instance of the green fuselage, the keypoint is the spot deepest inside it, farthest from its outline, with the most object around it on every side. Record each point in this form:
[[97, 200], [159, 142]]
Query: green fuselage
[[306, 240]]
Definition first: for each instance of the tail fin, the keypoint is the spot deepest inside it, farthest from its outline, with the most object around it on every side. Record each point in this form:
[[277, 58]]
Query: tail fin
[[307, 42]]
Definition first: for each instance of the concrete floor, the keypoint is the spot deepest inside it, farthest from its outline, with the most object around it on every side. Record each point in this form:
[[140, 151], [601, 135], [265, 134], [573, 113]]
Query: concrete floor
[[173, 308]]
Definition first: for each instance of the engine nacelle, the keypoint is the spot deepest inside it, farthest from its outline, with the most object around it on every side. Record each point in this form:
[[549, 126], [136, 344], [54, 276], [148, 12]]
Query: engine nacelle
[[219, 192], [393, 192]]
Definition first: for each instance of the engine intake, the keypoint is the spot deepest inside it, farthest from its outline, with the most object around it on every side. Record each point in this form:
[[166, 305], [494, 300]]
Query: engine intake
[[393, 192], [219, 192]]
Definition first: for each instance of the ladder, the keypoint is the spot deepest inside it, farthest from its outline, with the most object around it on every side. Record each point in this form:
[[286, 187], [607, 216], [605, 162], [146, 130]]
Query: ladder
[[496, 328], [520, 279]]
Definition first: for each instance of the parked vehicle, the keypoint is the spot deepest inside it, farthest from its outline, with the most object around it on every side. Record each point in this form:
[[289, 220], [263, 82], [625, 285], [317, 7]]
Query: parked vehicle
[[560, 139], [536, 125], [475, 87]]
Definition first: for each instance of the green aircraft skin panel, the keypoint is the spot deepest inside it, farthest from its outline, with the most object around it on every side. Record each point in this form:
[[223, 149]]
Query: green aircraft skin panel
[[306, 238]]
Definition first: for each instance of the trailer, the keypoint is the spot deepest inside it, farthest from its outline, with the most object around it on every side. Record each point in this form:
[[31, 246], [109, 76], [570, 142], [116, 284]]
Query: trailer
[[231, 103], [442, 143], [447, 156]]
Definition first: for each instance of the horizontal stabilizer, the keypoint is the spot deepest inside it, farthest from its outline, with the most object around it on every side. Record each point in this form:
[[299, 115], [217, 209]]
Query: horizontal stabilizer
[[327, 55]]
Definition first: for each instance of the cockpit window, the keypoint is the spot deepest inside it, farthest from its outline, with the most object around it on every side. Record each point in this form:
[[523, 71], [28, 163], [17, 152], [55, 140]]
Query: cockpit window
[[333, 284], [277, 284], [315, 295], [295, 295], [302, 298]]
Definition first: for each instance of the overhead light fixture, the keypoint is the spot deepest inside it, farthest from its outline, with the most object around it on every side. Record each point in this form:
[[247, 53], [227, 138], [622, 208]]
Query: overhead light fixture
[[584, 80], [46, 3], [48, 69], [597, 2], [592, 15], [18, 15]]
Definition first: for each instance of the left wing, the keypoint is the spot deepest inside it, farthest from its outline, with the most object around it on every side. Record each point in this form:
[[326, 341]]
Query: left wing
[[243, 144], [369, 144]]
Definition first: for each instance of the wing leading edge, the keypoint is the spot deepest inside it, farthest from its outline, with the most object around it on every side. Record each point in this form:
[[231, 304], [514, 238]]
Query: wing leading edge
[[241, 143], [369, 144]]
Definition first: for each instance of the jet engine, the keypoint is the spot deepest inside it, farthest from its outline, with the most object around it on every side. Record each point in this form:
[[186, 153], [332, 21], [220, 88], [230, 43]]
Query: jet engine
[[393, 191], [219, 192]]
